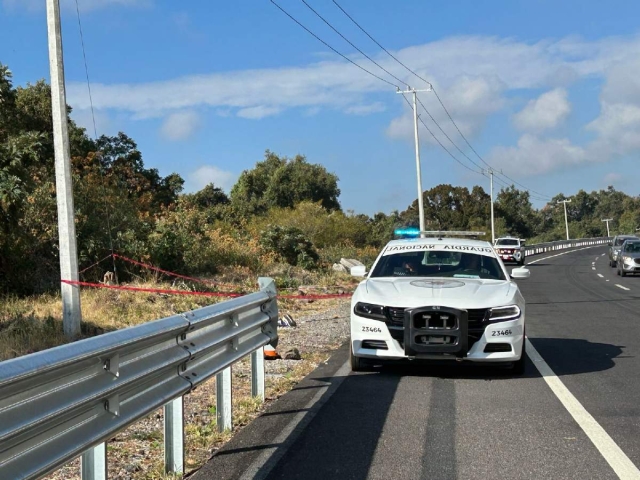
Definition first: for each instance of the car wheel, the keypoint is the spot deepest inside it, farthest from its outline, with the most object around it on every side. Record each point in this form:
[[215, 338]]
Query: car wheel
[[623, 273], [617, 270], [519, 365], [358, 364]]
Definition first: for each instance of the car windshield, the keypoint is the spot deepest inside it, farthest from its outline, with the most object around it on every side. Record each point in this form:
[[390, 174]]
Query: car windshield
[[620, 240], [507, 241], [631, 246], [437, 263]]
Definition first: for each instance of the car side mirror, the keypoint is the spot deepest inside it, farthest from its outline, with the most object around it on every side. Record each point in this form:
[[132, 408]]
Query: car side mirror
[[520, 273], [358, 271]]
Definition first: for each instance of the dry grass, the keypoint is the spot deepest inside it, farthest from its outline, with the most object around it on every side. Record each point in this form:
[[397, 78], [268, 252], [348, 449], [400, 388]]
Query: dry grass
[[32, 324]]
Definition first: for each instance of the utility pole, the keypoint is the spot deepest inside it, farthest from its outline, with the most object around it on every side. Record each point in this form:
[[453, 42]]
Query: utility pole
[[418, 168], [607, 220], [493, 231], [566, 222], [71, 315]]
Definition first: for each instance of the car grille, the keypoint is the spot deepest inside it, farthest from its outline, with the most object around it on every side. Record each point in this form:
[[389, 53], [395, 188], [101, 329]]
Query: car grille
[[476, 323], [395, 316]]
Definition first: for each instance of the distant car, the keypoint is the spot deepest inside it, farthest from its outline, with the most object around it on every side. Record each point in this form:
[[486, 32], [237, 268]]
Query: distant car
[[628, 259], [438, 299], [615, 245], [511, 249]]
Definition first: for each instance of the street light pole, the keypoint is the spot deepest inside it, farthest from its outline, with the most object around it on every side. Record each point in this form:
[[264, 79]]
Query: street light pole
[[607, 220], [417, 144], [566, 222], [493, 230], [71, 315]]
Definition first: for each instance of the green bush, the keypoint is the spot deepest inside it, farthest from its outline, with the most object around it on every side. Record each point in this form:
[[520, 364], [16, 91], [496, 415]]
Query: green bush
[[290, 244]]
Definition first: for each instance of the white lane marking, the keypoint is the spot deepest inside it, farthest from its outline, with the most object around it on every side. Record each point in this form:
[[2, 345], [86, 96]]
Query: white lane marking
[[608, 280], [262, 466], [563, 253], [624, 288], [593, 263], [593, 268], [601, 275], [612, 453]]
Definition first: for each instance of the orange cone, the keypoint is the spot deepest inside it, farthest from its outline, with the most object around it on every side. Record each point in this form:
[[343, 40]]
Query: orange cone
[[270, 353]]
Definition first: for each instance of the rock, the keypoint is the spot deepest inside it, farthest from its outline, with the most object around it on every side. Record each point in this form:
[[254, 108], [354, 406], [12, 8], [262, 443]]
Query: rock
[[293, 354], [339, 268], [348, 263]]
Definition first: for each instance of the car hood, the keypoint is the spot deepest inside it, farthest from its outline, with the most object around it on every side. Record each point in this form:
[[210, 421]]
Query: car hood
[[452, 292], [630, 254]]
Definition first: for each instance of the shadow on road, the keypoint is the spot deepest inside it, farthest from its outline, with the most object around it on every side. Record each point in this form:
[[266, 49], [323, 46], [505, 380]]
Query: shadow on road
[[572, 356], [341, 440]]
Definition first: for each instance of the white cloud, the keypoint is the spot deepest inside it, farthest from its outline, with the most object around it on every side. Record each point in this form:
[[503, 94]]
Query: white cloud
[[365, 109], [469, 101], [536, 156], [545, 112], [256, 113], [180, 125], [207, 174], [472, 74]]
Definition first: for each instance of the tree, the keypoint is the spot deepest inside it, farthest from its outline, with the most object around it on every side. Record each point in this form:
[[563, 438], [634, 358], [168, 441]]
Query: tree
[[515, 208], [283, 182], [209, 196]]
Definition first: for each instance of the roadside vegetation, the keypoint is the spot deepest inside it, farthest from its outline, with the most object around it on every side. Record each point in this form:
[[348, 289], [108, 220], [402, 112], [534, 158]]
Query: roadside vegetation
[[282, 218]]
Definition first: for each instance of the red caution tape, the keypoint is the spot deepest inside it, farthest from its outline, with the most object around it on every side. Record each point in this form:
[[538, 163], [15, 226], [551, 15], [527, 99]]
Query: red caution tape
[[97, 263], [166, 272]]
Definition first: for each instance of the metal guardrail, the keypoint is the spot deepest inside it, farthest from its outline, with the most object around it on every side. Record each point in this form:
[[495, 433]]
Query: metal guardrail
[[66, 401], [564, 244]]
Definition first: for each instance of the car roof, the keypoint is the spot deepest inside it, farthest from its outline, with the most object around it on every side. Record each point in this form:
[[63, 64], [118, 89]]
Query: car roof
[[439, 241]]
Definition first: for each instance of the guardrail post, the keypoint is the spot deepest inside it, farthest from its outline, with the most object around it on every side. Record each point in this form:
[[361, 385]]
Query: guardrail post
[[174, 436], [223, 400], [257, 373], [93, 464]]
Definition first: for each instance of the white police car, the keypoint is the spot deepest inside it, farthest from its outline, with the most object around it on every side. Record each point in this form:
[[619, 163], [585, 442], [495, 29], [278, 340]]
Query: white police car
[[511, 249], [438, 299]]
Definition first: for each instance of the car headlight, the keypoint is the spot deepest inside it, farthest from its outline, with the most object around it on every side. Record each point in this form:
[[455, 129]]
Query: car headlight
[[499, 314], [369, 310], [627, 259]]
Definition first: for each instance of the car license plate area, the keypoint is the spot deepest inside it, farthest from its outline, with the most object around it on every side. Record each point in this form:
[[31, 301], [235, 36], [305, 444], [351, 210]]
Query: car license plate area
[[435, 329]]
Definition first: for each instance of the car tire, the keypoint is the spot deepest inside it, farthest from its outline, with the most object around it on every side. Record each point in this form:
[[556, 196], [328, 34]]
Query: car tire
[[519, 365], [358, 364], [623, 273]]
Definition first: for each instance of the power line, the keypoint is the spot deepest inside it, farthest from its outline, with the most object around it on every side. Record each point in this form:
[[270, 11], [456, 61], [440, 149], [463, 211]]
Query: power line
[[445, 134], [351, 43], [440, 143], [378, 43], [333, 49], [95, 136], [476, 153], [441, 103]]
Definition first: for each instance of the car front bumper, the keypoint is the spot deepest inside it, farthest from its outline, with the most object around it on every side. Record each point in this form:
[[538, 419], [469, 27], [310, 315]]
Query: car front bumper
[[630, 267], [511, 257], [367, 333]]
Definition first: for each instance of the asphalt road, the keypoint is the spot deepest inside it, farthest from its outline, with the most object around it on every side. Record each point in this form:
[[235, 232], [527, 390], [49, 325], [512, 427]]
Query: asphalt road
[[417, 421]]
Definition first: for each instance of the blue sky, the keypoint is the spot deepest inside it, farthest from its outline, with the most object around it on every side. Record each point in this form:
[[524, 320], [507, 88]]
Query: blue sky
[[546, 91]]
